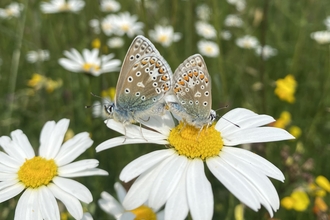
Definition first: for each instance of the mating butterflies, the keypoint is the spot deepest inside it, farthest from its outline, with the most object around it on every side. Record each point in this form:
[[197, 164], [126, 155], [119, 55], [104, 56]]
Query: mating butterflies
[[192, 88], [144, 79]]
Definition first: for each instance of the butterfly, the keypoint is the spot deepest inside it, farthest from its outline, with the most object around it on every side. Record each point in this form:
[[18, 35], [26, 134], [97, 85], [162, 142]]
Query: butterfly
[[192, 88], [144, 79]]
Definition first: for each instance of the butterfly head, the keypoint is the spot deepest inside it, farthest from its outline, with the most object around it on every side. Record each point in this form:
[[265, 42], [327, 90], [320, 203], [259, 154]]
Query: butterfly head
[[109, 109]]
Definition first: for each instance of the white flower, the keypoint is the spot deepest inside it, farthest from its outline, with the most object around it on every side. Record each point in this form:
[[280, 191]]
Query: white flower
[[164, 35], [109, 6], [125, 23], [95, 25], [12, 10], [226, 35], [87, 216], [327, 22], [321, 37], [205, 30], [108, 24], [208, 48], [175, 176], [114, 208], [266, 51], [37, 56], [203, 12], [233, 21], [239, 4], [89, 62], [247, 42], [56, 6], [115, 42], [46, 177]]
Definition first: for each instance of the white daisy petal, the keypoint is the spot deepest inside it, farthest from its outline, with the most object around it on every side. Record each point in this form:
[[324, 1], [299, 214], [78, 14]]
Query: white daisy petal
[[15, 152], [261, 184], [127, 216], [233, 181], [121, 192], [74, 188], [9, 161], [8, 183], [143, 163], [71, 203], [28, 207], [11, 191], [70, 65], [8, 176], [258, 162], [22, 141], [110, 205], [177, 205], [167, 180], [162, 124], [78, 166], [117, 141], [47, 204], [256, 135], [199, 191], [73, 148], [89, 172], [49, 149], [46, 132], [140, 190]]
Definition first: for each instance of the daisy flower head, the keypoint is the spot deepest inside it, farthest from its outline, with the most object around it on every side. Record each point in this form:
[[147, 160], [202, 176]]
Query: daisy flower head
[[14, 9], [208, 48], [57, 6], [89, 62], [115, 208], [175, 176], [125, 23], [266, 51], [108, 24], [233, 21], [164, 35], [205, 30], [203, 12], [46, 177], [239, 4], [95, 25], [109, 6], [37, 56], [321, 37], [115, 42], [327, 22], [225, 34], [247, 42]]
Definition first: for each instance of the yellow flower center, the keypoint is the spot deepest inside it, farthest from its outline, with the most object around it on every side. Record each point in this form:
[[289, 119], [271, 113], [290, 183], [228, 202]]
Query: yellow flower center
[[194, 142], [65, 7], [90, 67], [144, 213], [163, 38], [125, 27], [37, 171]]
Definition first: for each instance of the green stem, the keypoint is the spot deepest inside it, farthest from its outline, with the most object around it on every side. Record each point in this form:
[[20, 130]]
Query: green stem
[[15, 63]]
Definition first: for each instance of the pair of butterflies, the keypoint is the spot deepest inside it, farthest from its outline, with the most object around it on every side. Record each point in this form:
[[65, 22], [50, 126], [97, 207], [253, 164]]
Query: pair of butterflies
[[145, 78]]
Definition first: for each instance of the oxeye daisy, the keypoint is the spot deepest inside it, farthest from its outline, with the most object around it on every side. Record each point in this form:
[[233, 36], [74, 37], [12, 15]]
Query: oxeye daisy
[[175, 176], [37, 56], [46, 177], [12, 10], [247, 42], [125, 23], [164, 35], [205, 30], [114, 208], [208, 48], [321, 37], [109, 6], [57, 6], [89, 62]]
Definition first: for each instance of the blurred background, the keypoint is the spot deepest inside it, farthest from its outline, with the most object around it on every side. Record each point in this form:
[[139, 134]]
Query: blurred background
[[272, 57]]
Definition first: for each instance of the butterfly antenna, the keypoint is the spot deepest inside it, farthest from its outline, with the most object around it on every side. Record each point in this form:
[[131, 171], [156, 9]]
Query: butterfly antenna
[[96, 95], [231, 122], [226, 106]]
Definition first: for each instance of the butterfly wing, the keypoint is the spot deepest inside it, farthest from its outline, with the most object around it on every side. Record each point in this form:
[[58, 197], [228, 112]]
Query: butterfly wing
[[192, 87], [139, 47], [144, 79]]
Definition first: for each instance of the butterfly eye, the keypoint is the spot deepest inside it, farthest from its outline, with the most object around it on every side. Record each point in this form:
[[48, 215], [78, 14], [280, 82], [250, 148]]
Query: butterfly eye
[[109, 109]]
